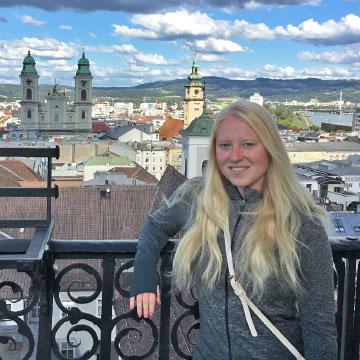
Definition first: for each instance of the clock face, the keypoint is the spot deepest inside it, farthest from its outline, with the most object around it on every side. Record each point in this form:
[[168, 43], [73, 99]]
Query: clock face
[[83, 82], [28, 81]]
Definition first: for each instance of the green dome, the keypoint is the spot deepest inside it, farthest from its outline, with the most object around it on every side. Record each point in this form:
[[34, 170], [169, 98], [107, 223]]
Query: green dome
[[201, 126], [29, 66], [83, 66], [194, 77]]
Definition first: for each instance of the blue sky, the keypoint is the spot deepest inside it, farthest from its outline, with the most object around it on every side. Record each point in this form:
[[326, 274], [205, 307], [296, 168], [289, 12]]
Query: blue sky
[[129, 42]]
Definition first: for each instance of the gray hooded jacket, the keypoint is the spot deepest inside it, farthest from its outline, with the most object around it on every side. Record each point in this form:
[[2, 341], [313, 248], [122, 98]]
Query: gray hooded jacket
[[307, 321]]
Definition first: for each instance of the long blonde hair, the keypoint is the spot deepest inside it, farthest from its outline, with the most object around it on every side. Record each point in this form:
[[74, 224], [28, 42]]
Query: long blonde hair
[[269, 249]]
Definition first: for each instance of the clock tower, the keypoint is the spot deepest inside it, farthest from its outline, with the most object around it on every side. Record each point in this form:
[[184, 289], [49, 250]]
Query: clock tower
[[194, 96], [29, 93], [83, 94]]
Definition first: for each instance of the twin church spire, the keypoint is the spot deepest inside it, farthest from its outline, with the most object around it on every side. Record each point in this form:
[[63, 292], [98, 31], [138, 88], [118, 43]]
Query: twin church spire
[[56, 113]]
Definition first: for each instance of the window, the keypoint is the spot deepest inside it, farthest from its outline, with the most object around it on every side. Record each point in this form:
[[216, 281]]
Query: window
[[68, 305], [70, 118], [83, 114], [357, 228], [29, 114], [339, 226], [67, 350], [42, 118], [56, 118], [146, 160], [83, 95], [28, 94]]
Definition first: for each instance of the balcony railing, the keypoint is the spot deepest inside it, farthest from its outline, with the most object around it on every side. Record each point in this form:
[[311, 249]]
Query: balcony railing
[[69, 300]]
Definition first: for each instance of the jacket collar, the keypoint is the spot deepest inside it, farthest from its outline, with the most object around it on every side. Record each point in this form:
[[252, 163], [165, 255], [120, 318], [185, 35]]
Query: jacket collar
[[250, 194]]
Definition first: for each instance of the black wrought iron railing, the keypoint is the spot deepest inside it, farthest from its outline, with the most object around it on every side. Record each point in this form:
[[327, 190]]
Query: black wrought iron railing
[[85, 274]]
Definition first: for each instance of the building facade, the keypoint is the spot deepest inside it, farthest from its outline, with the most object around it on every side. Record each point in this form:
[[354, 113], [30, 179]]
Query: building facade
[[56, 113], [356, 119], [194, 96]]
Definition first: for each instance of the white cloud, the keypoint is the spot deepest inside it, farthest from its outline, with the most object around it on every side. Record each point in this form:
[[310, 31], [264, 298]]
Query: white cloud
[[136, 55], [154, 59], [93, 35], [65, 27], [210, 58], [43, 48], [328, 73], [277, 72], [244, 29], [125, 31], [349, 55], [172, 25], [331, 32], [217, 46], [183, 24], [27, 19], [126, 48]]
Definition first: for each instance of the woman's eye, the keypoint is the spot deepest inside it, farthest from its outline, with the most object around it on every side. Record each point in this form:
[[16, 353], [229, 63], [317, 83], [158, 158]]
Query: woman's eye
[[224, 145], [248, 144]]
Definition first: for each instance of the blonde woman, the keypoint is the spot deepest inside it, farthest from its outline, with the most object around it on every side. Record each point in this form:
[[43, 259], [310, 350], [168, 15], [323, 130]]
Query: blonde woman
[[255, 247]]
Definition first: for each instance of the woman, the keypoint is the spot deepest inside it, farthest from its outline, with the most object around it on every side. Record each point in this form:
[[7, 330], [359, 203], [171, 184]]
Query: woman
[[280, 250]]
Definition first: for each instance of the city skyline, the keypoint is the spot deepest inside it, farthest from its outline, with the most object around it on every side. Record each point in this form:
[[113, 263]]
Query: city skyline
[[134, 42]]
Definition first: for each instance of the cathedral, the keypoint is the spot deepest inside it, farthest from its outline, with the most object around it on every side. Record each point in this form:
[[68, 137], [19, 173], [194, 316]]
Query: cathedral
[[56, 113]]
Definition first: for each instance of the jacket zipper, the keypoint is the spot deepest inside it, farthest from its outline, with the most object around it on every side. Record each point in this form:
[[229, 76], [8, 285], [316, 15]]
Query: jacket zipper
[[242, 206]]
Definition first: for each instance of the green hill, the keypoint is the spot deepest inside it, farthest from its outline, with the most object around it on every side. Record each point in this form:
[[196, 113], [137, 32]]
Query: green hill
[[216, 87]]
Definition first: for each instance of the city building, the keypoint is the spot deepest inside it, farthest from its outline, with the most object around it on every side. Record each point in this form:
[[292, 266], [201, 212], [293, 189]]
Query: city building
[[194, 96], [103, 163], [356, 119], [304, 152], [152, 157], [196, 145], [135, 132], [56, 113], [257, 98]]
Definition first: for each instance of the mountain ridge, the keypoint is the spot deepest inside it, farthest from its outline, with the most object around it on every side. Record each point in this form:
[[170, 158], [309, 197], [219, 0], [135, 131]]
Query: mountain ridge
[[218, 87]]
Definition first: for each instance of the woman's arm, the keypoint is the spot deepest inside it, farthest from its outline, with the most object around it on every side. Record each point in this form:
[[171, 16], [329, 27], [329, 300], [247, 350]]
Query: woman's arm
[[157, 229], [317, 302]]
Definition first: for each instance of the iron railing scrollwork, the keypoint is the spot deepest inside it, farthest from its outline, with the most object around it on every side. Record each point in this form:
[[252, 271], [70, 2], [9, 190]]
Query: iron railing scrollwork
[[106, 275]]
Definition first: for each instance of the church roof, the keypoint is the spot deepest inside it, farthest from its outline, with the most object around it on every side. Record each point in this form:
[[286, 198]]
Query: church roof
[[201, 126], [29, 66], [83, 66], [195, 77], [108, 158]]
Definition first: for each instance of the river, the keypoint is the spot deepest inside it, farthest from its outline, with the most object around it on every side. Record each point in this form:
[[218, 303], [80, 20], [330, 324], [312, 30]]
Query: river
[[326, 117]]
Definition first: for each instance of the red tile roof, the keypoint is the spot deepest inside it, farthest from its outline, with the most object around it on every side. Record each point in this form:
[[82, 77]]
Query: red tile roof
[[171, 128], [99, 127], [17, 169], [83, 213], [136, 172]]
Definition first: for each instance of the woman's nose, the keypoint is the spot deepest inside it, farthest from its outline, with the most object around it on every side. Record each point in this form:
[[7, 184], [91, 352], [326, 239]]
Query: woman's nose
[[236, 153]]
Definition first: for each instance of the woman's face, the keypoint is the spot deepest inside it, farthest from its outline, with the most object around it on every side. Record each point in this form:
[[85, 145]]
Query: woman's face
[[240, 155]]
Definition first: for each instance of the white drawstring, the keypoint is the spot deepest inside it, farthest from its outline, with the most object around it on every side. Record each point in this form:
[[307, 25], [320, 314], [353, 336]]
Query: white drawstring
[[246, 303]]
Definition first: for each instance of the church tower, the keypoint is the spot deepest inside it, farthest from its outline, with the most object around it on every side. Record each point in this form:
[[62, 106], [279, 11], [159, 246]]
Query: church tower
[[194, 96], [83, 94], [29, 94]]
